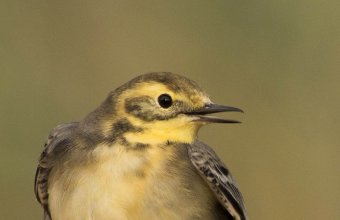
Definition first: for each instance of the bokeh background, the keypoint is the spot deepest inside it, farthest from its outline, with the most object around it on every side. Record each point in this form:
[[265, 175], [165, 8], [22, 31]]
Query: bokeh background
[[278, 60]]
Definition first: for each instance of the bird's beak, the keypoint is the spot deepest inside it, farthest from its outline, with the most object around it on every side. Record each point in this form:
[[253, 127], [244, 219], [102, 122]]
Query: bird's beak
[[202, 113]]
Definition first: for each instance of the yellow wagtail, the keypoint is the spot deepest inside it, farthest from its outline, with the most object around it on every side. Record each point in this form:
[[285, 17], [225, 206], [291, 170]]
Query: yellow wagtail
[[137, 157]]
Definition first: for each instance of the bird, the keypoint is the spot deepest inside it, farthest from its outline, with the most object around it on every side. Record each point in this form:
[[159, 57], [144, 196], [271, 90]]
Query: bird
[[137, 156]]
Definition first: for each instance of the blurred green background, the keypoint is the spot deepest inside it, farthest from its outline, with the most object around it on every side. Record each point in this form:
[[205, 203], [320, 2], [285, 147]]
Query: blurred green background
[[277, 60]]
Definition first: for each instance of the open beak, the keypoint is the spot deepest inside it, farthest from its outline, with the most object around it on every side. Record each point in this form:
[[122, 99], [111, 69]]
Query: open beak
[[202, 113]]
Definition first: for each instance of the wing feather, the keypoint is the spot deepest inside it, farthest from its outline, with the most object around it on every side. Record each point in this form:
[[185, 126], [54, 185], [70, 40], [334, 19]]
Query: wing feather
[[219, 179], [56, 144]]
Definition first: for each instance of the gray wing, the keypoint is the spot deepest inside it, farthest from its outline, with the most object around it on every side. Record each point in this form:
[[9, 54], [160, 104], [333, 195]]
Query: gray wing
[[57, 144], [219, 179]]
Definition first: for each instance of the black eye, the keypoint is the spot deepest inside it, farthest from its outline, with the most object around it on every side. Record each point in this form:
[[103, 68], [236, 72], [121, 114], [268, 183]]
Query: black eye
[[165, 100]]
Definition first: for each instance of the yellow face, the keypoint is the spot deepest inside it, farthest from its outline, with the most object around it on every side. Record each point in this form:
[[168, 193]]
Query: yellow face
[[156, 108], [160, 112]]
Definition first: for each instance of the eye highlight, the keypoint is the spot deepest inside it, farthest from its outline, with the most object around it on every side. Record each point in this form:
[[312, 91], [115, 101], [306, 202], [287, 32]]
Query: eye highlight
[[165, 100]]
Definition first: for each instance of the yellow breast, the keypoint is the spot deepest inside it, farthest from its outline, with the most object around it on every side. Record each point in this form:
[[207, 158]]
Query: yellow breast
[[155, 183]]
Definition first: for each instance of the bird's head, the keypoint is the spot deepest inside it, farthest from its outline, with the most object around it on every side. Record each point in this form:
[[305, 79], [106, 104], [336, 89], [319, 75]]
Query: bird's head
[[161, 107]]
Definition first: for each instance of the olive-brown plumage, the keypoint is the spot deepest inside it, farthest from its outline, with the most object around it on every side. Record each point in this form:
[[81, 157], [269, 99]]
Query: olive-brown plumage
[[137, 157]]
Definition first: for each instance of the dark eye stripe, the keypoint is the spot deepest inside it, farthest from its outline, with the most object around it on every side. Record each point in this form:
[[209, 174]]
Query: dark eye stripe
[[146, 108]]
